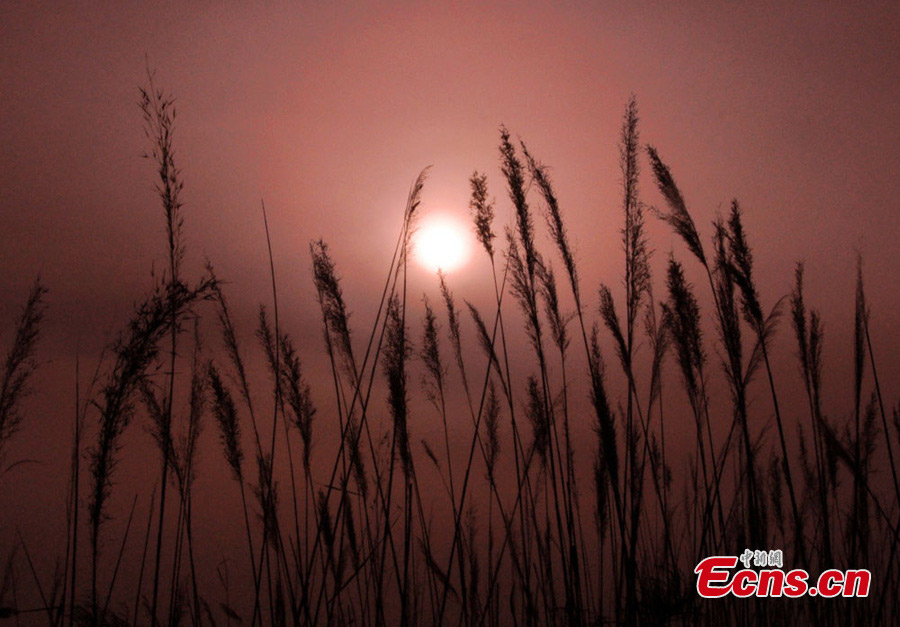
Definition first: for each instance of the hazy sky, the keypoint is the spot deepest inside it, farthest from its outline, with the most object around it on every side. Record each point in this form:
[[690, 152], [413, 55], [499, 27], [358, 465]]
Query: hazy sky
[[329, 113]]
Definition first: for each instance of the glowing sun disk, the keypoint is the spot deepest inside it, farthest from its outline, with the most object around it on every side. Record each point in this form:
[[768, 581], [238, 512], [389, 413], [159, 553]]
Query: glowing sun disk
[[441, 244]]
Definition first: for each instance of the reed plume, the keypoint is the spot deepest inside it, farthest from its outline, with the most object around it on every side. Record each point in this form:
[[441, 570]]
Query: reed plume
[[482, 212], [808, 333], [677, 216], [20, 366], [740, 270], [135, 351], [491, 426], [226, 415], [433, 378], [540, 422], [299, 397], [396, 354]]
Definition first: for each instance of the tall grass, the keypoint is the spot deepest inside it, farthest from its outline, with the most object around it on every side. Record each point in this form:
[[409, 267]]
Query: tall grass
[[513, 516], [19, 369]]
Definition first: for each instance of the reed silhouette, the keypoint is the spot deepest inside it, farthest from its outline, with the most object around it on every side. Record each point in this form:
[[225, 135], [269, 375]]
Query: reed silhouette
[[525, 524]]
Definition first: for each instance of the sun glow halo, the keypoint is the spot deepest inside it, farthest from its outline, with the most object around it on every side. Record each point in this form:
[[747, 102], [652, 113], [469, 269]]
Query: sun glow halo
[[442, 243]]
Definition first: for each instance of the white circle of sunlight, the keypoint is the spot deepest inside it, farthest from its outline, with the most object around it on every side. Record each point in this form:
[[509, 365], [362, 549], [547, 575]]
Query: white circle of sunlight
[[441, 243]]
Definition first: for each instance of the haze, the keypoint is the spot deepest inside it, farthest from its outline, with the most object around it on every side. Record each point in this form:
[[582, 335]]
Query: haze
[[330, 113]]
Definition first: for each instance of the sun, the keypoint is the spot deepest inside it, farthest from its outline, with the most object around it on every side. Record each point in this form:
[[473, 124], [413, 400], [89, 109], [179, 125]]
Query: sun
[[442, 243]]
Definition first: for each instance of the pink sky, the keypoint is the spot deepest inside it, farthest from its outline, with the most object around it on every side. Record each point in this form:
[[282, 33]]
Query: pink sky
[[329, 113]]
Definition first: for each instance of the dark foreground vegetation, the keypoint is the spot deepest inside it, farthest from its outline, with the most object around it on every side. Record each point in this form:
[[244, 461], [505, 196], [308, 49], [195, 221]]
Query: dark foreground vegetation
[[347, 534]]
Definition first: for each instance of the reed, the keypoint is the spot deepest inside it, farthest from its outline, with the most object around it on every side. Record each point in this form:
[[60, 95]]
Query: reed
[[19, 368], [508, 515]]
